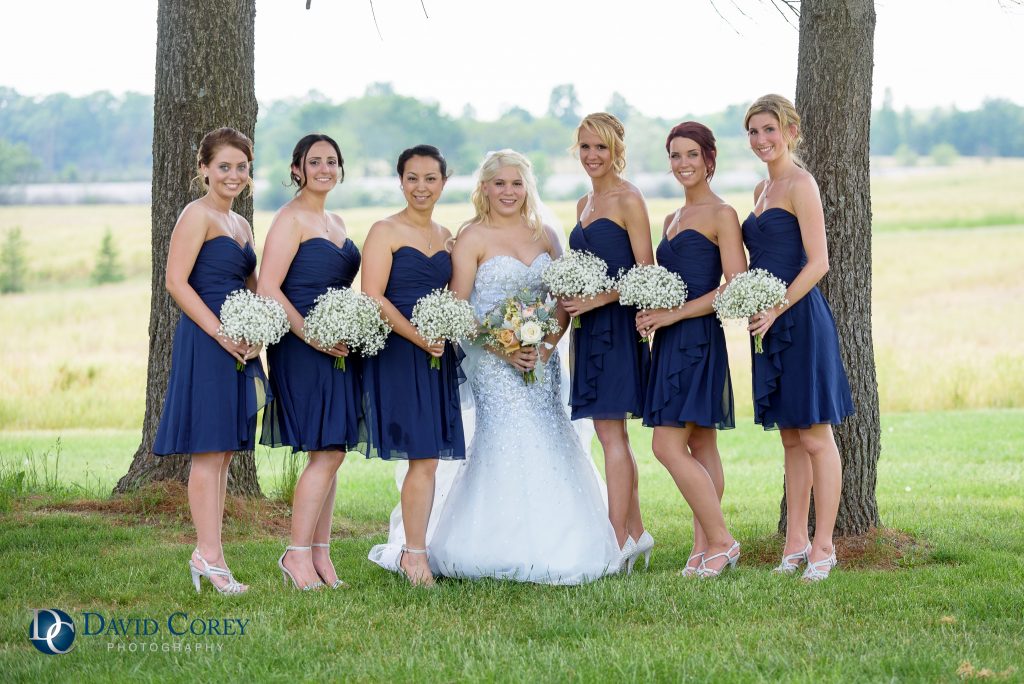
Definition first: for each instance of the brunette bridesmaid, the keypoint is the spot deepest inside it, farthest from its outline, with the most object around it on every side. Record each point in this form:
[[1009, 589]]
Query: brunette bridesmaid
[[316, 406], [210, 408], [412, 412]]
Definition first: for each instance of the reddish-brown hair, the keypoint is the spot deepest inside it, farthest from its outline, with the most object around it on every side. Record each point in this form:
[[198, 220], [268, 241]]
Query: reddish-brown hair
[[700, 134]]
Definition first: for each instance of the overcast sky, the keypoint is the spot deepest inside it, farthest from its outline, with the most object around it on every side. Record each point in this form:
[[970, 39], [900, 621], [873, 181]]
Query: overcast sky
[[667, 57]]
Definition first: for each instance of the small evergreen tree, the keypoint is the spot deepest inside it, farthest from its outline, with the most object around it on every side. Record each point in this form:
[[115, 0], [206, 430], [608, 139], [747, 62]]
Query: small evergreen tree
[[12, 262], [107, 270]]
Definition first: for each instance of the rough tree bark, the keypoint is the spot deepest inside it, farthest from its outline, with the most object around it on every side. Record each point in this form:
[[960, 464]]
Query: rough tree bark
[[833, 96], [204, 79]]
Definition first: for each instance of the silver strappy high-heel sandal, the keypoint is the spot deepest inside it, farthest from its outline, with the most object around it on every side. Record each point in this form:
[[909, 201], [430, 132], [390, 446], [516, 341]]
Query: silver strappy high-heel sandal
[[819, 570], [791, 562], [730, 562], [427, 583], [208, 571], [691, 570], [338, 583], [287, 575]]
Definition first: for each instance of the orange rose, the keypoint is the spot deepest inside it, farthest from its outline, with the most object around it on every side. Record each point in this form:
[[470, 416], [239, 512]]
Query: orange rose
[[507, 339]]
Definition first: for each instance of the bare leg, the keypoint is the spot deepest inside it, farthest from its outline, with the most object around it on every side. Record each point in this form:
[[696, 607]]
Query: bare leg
[[695, 484], [621, 478], [799, 478], [207, 479], [820, 444], [311, 490], [322, 535], [417, 500], [703, 444]]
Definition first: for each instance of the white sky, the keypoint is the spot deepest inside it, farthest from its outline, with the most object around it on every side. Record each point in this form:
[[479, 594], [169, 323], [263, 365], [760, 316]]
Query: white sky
[[667, 57]]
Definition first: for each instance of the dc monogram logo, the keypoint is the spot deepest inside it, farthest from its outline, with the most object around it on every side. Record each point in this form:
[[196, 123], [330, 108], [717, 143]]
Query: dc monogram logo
[[52, 631]]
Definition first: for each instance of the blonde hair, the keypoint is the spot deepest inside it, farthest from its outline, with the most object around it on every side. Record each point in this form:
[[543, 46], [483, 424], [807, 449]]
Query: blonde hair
[[612, 133], [208, 147], [489, 168], [783, 111]]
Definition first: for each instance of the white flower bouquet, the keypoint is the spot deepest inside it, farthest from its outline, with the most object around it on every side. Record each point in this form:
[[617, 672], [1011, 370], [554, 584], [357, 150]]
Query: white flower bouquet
[[647, 287], [521, 321], [750, 293], [577, 274], [252, 318], [344, 315], [440, 315]]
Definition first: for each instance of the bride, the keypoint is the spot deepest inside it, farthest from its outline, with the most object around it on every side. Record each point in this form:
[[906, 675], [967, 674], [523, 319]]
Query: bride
[[527, 504]]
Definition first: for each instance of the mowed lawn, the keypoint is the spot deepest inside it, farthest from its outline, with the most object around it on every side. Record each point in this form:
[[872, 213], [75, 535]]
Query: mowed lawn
[[951, 601]]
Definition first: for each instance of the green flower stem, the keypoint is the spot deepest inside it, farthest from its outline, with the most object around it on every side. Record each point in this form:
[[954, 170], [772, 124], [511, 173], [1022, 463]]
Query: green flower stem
[[339, 363]]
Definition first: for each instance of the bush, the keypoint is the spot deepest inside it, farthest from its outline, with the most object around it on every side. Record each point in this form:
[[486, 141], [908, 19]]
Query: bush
[[944, 154], [905, 156], [107, 270], [13, 265]]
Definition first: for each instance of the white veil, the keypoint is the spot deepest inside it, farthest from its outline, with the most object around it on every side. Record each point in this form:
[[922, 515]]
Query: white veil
[[387, 555]]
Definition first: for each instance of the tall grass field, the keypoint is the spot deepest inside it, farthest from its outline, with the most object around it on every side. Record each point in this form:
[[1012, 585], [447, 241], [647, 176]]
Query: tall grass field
[[935, 596]]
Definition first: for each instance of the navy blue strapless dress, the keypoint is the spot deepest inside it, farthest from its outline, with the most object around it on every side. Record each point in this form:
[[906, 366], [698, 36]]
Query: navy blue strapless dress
[[211, 406], [799, 379], [690, 380], [411, 410], [316, 406], [610, 363]]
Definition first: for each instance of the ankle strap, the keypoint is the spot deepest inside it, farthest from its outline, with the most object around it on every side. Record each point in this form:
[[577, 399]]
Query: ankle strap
[[297, 548], [406, 549], [321, 545]]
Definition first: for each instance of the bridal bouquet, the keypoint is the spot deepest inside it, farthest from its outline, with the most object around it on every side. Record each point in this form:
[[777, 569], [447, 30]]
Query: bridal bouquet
[[255, 319], [440, 315], [750, 293], [646, 287], [577, 274], [344, 315], [521, 321]]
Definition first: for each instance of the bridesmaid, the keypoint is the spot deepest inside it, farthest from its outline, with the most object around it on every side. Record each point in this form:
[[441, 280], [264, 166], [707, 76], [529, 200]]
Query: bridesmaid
[[611, 364], [315, 407], [689, 396], [412, 411], [210, 407], [799, 382]]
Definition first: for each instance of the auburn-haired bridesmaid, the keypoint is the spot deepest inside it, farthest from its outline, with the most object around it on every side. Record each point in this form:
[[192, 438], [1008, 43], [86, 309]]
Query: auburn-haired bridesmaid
[[610, 369], [799, 383], [690, 393], [210, 408], [412, 412], [316, 406]]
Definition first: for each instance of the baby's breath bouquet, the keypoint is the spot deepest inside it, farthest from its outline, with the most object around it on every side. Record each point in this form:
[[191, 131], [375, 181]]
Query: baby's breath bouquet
[[647, 287], [440, 315], [252, 318], [344, 315], [577, 274], [750, 293], [521, 321]]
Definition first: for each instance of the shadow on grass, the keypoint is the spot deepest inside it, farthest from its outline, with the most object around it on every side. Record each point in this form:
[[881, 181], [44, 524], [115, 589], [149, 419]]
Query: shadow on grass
[[165, 504], [880, 549]]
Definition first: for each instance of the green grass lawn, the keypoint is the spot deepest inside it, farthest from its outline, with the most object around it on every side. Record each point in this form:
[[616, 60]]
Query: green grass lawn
[[952, 480]]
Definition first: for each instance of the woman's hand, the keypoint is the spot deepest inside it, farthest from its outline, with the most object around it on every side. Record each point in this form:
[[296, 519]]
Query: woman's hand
[[240, 351], [574, 306], [338, 350], [545, 350], [435, 349], [647, 321], [761, 322], [522, 359]]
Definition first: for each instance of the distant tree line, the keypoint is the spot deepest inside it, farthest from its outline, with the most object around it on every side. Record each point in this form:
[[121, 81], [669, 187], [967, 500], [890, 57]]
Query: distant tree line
[[105, 137]]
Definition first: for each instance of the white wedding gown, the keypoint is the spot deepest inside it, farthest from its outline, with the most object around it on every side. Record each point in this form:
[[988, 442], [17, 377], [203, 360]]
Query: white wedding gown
[[527, 504]]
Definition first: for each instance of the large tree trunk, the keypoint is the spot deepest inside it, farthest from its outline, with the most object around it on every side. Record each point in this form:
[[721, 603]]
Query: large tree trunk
[[204, 80], [833, 96]]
